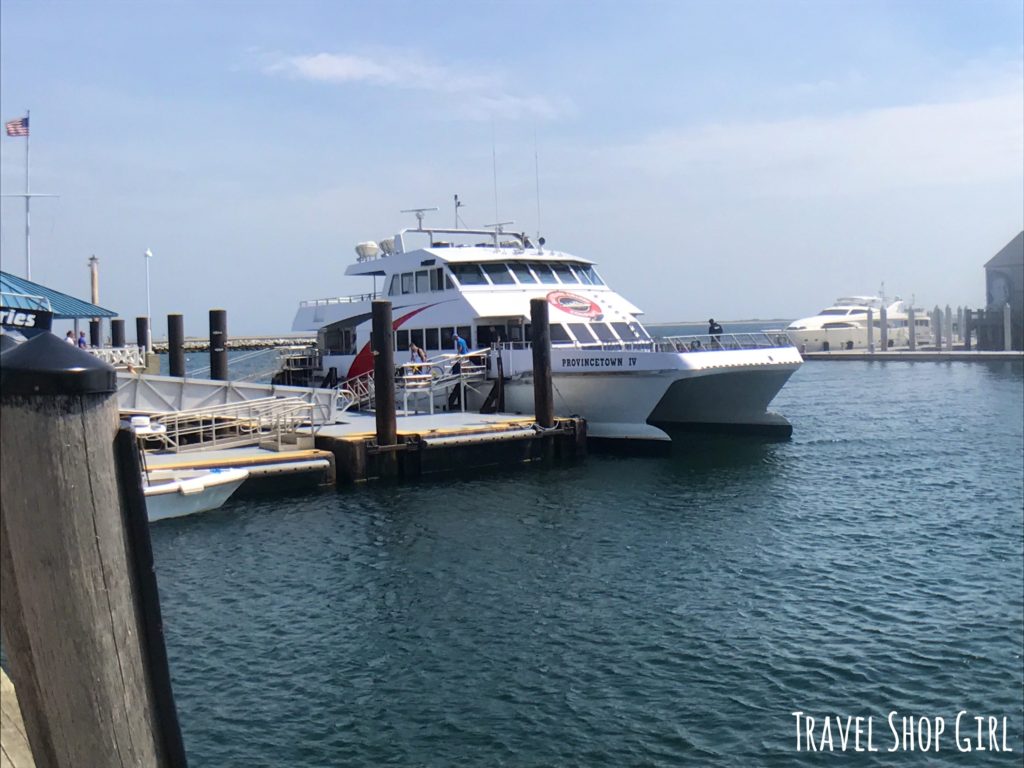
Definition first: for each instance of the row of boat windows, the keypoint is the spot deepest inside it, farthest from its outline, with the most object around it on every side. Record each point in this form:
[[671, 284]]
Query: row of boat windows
[[494, 273], [440, 339], [433, 340]]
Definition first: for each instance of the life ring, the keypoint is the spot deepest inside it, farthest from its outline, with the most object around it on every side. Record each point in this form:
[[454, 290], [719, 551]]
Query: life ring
[[695, 345]]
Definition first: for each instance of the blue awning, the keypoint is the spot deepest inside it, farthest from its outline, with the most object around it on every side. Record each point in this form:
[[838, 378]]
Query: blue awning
[[19, 293]]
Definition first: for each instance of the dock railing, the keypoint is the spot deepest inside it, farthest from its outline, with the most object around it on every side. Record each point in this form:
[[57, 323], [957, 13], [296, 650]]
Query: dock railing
[[121, 357], [251, 422]]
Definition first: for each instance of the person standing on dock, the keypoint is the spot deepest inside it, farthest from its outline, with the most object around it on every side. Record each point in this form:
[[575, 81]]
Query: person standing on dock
[[82, 343], [460, 345], [70, 338]]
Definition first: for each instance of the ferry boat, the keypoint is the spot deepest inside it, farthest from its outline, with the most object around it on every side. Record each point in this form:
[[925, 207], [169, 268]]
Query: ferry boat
[[606, 367], [844, 325]]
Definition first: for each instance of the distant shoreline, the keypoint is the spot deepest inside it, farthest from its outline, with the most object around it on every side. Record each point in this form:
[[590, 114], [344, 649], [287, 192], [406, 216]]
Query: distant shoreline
[[734, 322]]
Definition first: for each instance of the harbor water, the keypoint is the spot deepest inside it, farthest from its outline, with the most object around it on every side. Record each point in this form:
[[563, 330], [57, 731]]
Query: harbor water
[[629, 611]]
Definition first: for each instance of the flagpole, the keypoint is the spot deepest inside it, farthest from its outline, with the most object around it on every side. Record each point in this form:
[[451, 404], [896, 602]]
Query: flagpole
[[28, 197], [20, 128]]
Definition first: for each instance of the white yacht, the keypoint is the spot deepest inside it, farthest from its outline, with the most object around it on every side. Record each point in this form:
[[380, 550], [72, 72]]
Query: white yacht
[[844, 325], [605, 366]]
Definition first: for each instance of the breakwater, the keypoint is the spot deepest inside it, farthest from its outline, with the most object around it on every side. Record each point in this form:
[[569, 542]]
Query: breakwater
[[240, 343]]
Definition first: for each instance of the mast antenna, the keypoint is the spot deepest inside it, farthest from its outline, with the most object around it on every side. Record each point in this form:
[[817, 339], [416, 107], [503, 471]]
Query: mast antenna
[[419, 214], [536, 172], [458, 204], [494, 166]]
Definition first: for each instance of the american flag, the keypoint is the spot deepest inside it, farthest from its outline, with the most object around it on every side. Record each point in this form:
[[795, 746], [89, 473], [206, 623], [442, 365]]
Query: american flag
[[18, 127]]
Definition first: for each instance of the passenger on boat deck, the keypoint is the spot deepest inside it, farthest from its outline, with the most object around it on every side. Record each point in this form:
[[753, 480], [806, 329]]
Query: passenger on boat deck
[[70, 338], [714, 329]]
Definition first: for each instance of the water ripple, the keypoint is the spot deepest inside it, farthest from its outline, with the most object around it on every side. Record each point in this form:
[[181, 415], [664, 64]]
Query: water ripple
[[625, 611]]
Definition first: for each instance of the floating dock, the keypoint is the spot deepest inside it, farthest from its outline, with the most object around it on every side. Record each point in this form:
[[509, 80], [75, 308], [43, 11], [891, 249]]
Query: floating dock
[[448, 443]]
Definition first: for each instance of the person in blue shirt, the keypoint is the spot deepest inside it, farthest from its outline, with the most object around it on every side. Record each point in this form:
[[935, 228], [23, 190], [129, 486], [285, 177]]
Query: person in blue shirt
[[460, 344]]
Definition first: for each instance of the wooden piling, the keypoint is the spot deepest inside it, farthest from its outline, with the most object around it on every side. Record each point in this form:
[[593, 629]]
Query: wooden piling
[[540, 334], [117, 333], [94, 334], [883, 323], [72, 611], [383, 345], [871, 330], [142, 333], [911, 330], [176, 344], [968, 328], [218, 345]]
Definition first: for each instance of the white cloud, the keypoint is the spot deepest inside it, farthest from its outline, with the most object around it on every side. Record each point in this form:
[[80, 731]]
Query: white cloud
[[473, 97], [955, 142]]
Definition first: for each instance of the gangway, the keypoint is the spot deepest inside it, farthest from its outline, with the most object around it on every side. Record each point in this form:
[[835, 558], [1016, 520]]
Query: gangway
[[270, 422]]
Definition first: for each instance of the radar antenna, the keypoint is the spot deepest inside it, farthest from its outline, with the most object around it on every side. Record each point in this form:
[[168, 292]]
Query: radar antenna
[[498, 230], [419, 214]]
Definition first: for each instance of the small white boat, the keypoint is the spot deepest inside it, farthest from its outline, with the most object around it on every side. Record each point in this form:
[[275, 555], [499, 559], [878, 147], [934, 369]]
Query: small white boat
[[177, 492]]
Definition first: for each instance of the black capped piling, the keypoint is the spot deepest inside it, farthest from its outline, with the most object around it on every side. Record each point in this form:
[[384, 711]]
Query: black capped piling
[[176, 344], [540, 334], [117, 333], [383, 345], [218, 345]]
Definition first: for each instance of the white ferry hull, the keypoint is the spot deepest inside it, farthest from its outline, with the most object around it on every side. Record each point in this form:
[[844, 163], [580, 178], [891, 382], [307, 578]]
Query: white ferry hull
[[711, 391]]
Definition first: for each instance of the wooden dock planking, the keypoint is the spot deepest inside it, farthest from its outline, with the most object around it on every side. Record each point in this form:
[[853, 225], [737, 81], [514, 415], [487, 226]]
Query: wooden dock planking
[[15, 751]]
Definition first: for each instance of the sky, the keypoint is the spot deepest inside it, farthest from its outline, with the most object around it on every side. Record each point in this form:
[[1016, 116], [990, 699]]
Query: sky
[[730, 159]]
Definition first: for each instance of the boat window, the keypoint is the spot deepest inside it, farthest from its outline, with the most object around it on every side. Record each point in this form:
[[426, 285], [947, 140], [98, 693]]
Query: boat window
[[522, 273], [582, 333], [565, 274], [498, 273], [838, 325], [402, 340], [857, 312], [431, 339], [416, 336], [559, 334], [604, 333], [625, 332], [394, 286], [448, 285], [468, 274], [467, 333], [582, 273], [437, 279], [832, 312], [407, 282], [639, 330], [589, 273], [446, 337], [422, 281], [544, 274], [921, 322]]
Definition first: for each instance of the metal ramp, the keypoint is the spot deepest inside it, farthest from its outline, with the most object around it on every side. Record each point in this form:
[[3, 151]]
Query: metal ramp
[[155, 395], [270, 422]]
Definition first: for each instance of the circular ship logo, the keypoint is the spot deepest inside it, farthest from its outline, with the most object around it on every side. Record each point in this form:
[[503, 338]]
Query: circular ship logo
[[575, 305]]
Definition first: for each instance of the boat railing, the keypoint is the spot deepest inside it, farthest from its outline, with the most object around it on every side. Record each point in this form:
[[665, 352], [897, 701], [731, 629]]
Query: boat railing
[[723, 341], [597, 346], [423, 382], [353, 299]]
